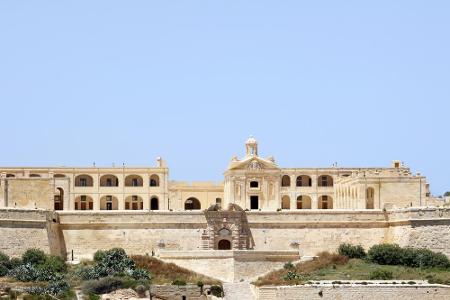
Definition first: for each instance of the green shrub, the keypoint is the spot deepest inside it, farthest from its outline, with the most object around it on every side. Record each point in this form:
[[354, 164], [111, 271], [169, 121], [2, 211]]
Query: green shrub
[[4, 259], [102, 286], [424, 258], [55, 263], [14, 263], [385, 254], [53, 288], [288, 265], [381, 274], [3, 270], [179, 282], [99, 255], [29, 272], [216, 290], [140, 274], [33, 256], [291, 276], [351, 251], [114, 262], [392, 254]]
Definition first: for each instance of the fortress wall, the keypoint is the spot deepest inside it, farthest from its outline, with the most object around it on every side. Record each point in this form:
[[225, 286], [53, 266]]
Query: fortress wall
[[350, 292], [140, 232], [24, 229], [136, 232]]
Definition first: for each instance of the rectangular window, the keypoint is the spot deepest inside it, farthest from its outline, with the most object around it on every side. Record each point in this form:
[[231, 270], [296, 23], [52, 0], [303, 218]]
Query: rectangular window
[[83, 182], [134, 182], [83, 198], [324, 181], [108, 182], [254, 184]]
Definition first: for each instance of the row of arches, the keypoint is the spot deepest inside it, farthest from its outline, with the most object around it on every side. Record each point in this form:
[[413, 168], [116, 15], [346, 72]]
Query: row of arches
[[305, 180], [304, 202], [109, 202], [110, 180], [134, 202]]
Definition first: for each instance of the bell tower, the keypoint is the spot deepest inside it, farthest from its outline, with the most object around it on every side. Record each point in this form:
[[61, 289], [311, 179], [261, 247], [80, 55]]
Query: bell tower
[[251, 147]]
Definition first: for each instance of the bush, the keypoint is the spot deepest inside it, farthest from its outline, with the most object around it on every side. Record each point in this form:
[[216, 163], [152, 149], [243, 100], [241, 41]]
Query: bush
[[288, 265], [140, 274], [216, 290], [99, 255], [55, 263], [114, 262], [385, 254], [381, 274], [179, 282], [14, 263], [34, 257], [54, 288], [3, 270], [4, 259], [424, 258], [291, 276], [28, 272], [102, 286], [351, 251], [392, 254]]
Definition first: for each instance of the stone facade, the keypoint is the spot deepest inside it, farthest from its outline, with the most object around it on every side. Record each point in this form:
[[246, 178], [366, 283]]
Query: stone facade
[[252, 183]]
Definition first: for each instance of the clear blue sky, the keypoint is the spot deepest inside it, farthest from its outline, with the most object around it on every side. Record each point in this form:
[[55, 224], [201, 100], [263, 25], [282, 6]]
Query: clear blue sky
[[357, 82]]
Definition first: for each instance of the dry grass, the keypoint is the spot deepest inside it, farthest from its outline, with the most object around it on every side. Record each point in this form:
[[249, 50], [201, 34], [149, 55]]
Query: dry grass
[[163, 273], [324, 260]]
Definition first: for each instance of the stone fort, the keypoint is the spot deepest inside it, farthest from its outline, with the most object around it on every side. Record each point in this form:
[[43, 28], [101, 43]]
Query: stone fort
[[259, 217]]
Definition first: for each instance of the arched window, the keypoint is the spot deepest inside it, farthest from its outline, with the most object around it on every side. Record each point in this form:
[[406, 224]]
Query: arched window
[[285, 180], [154, 203], [109, 180], [325, 180], [325, 202], [134, 180], [303, 180], [109, 203], [192, 203], [84, 180], [154, 180], [84, 202], [134, 203], [370, 197], [303, 202], [285, 202], [59, 199]]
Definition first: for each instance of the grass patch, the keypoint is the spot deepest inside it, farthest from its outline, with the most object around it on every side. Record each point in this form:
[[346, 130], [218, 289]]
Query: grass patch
[[333, 267], [166, 273]]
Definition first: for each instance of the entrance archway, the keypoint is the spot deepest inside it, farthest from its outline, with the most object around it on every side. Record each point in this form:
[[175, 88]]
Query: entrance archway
[[224, 245]]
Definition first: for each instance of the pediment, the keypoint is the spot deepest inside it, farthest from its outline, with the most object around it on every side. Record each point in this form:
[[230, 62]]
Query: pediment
[[253, 164]]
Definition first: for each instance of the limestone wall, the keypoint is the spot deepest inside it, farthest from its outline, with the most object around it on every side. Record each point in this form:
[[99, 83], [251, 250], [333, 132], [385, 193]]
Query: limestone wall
[[21, 230], [353, 292], [136, 232], [29, 193], [228, 265]]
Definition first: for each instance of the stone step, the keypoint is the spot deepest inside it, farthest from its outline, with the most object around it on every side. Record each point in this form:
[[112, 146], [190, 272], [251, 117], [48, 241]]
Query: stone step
[[238, 291]]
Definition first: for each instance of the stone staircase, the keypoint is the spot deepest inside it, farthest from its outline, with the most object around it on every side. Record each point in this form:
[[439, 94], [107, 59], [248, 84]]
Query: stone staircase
[[238, 291]]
